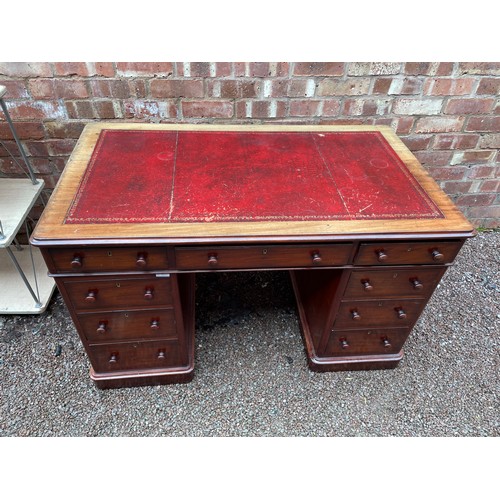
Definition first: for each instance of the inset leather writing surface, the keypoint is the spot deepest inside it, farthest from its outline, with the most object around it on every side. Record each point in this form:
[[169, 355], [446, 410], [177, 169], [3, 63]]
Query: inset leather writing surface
[[224, 176]]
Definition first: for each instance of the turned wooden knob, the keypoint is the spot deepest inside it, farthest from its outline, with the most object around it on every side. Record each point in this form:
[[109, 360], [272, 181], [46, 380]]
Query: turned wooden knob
[[155, 324], [385, 342], [161, 354], [381, 255], [148, 293], [400, 312], [113, 358], [91, 296], [316, 257], [102, 327], [141, 260], [77, 262], [367, 286], [437, 255], [355, 315], [212, 259], [343, 343], [417, 284]]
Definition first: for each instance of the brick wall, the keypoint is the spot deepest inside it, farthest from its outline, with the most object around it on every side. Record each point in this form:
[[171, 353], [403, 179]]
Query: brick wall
[[447, 113]]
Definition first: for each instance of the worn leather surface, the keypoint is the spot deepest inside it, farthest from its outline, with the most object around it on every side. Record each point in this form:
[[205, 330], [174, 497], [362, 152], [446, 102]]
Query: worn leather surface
[[199, 176]]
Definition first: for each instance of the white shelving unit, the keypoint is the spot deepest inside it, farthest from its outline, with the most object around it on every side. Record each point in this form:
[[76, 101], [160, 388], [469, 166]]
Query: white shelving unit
[[25, 287]]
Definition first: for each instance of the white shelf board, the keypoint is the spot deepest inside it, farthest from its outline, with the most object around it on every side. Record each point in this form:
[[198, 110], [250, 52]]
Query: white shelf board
[[17, 196], [15, 298]]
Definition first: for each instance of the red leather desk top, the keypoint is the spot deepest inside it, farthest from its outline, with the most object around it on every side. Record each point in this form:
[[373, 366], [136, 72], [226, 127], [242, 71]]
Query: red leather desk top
[[196, 176]]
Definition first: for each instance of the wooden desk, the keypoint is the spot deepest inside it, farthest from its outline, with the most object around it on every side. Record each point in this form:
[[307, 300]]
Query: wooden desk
[[140, 209]]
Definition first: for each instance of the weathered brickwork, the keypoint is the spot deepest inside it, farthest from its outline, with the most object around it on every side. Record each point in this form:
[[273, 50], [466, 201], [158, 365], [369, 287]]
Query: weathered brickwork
[[447, 113]]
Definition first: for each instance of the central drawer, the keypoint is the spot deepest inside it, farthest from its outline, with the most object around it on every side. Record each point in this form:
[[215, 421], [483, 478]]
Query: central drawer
[[136, 355], [87, 294], [378, 313], [127, 325], [262, 256]]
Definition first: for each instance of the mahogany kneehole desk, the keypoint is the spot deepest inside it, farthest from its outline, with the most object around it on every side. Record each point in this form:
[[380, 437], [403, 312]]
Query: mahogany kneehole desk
[[140, 209]]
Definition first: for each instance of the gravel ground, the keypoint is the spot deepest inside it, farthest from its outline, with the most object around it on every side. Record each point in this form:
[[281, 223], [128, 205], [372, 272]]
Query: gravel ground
[[251, 374]]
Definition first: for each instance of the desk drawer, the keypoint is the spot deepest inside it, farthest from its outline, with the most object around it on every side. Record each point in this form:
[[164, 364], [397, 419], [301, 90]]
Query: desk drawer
[[88, 294], [361, 342], [128, 325], [109, 259], [408, 252], [378, 313], [417, 282], [136, 356], [261, 256]]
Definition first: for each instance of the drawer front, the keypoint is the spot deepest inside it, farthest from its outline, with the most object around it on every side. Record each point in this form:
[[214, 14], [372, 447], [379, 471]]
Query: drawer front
[[127, 325], [119, 293], [409, 252], [373, 341], [136, 356], [109, 259], [378, 313], [260, 256], [417, 282]]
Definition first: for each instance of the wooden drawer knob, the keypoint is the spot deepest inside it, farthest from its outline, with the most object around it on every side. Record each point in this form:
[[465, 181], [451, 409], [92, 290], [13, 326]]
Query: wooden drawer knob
[[113, 358], [91, 296], [367, 286], [437, 255], [386, 343], [400, 312], [77, 262], [343, 343], [316, 257], [212, 259], [381, 255], [102, 328], [417, 284], [162, 354], [355, 315], [148, 293], [141, 260], [155, 324]]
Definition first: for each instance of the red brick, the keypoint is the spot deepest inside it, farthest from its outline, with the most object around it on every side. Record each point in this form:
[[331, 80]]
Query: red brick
[[448, 86], [468, 106], [492, 211], [237, 89], [79, 109], [15, 89], [453, 173], [475, 200], [282, 69], [456, 187], [61, 147], [279, 87], [41, 165], [417, 68], [176, 88], [318, 68], [444, 68], [58, 89], [483, 124], [36, 148], [199, 69], [331, 107], [455, 141], [482, 172], [261, 109], [259, 69], [299, 88], [223, 69], [103, 69], [479, 68], [207, 109], [490, 186], [71, 68], [119, 89], [104, 109], [417, 142], [144, 68], [26, 69], [477, 156], [24, 130], [488, 86], [62, 129], [137, 88], [434, 158], [439, 124], [382, 85], [404, 125], [239, 69], [35, 110], [306, 107]]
